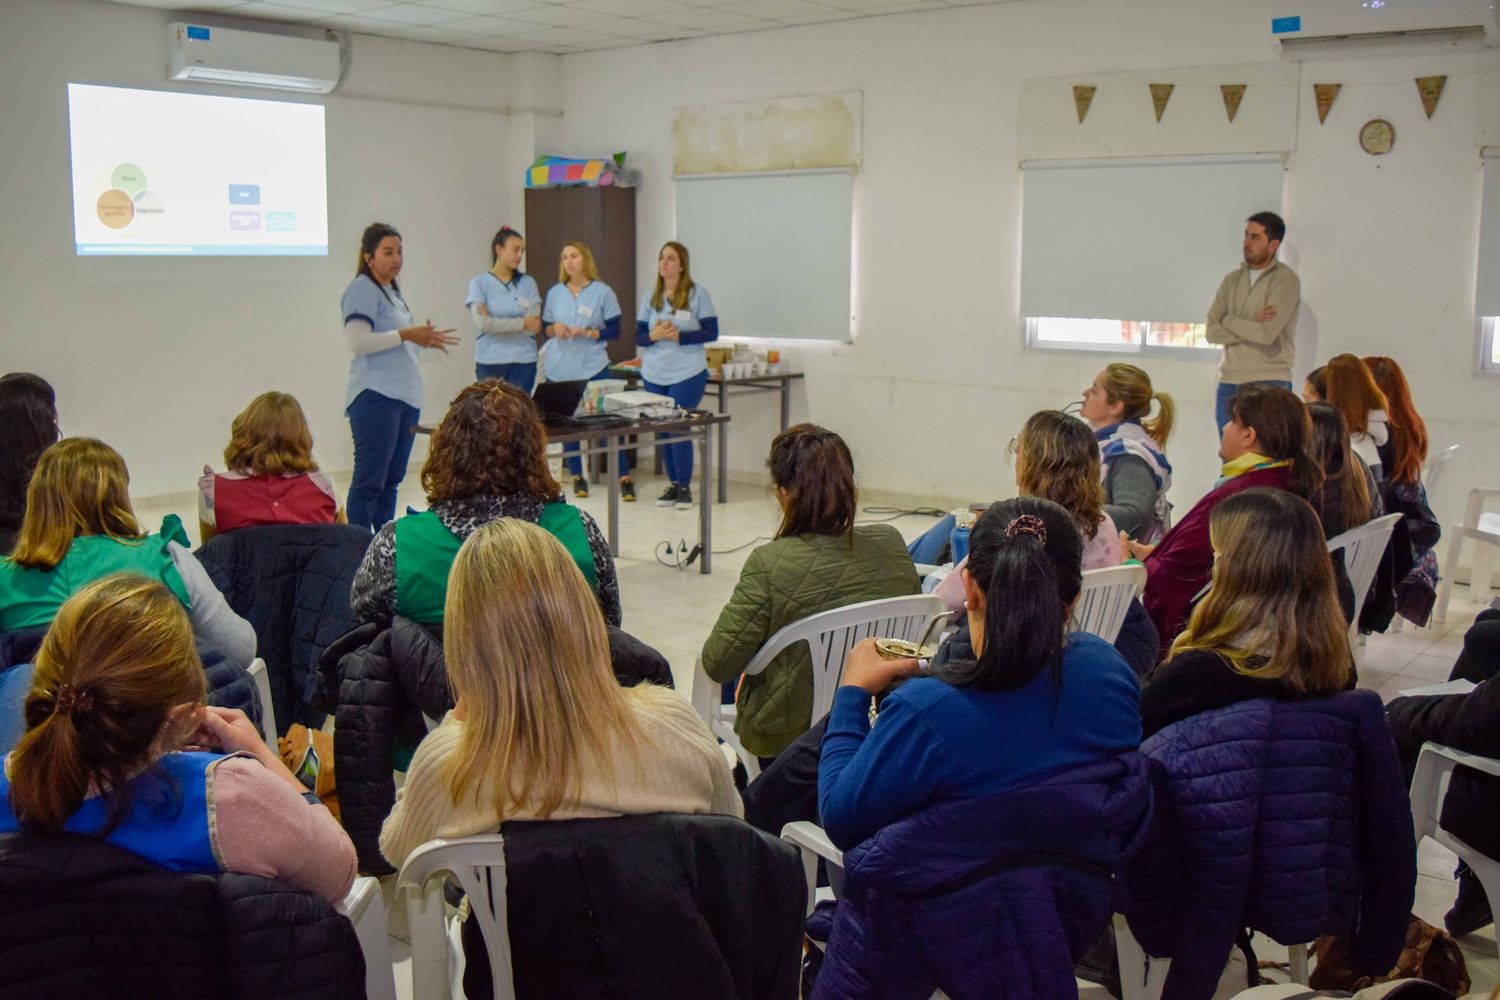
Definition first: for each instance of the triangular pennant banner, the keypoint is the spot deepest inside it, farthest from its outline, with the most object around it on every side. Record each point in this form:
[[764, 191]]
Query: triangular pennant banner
[[1326, 93], [1161, 93], [1233, 94], [1431, 88], [1082, 97]]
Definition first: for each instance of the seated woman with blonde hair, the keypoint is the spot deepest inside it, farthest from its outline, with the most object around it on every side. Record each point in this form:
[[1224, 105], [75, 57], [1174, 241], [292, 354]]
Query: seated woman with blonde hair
[[271, 476], [540, 728], [114, 725], [1269, 627], [79, 526]]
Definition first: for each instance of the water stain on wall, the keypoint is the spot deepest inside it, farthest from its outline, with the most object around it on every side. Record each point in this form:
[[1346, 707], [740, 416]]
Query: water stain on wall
[[800, 133]]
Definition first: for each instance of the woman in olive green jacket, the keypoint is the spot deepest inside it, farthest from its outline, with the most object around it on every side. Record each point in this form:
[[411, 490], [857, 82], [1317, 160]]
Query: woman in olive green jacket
[[818, 561]]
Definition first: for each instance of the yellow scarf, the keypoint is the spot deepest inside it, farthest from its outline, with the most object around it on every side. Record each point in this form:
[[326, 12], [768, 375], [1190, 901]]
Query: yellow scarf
[[1248, 462]]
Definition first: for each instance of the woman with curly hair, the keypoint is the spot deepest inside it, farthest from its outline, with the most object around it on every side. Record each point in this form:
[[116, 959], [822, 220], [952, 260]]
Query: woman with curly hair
[[1057, 459], [488, 460]]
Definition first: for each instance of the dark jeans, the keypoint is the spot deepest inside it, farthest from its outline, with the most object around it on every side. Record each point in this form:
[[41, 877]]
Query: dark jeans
[[1226, 394], [570, 449], [522, 375], [678, 458], [384, 430]]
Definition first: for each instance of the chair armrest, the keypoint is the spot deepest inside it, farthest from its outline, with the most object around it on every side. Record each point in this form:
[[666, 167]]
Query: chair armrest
[[706, 693], [1430, 782], [1475, 504], [364, 905], [1489, 765], [358, 899], [812, 843]]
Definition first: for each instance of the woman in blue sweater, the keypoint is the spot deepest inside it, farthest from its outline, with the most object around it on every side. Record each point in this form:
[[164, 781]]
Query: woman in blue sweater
[[1034, 701]]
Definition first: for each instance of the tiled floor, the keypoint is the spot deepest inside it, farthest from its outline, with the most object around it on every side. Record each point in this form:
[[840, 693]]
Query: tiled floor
[[674, 609]]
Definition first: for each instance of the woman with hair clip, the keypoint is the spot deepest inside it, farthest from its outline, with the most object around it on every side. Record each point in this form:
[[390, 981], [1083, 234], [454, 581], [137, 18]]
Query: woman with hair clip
[[384, 395], [1034, 701], [549, 736], [270, 474], [28, 412], [1136, 473], [506, 308], [581, 314], [114, 748], [818, 561], [1348, 386], [1270, 627], [487, 460], [673, 324], [1057, 459], [79, 526], [1265, 443]]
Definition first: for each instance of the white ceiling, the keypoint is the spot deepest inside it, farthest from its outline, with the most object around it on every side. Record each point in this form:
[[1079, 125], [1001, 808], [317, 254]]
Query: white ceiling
[[558, 26]]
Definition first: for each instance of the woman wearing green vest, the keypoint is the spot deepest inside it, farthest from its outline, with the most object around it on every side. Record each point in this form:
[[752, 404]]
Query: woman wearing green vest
[[79, 527], [488, 460]]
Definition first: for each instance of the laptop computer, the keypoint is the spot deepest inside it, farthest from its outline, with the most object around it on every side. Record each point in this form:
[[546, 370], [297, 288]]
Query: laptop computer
[[558, 401]]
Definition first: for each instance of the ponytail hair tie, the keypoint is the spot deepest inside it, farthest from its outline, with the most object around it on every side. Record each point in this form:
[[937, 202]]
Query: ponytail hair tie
[[72, 701], [1027, 524]]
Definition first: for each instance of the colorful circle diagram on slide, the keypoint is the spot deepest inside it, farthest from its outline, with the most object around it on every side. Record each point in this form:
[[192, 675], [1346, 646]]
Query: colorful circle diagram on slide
[[127, 198]]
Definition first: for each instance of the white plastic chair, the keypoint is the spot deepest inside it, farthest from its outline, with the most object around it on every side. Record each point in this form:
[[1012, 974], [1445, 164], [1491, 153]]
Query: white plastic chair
[[1105, 598], [1433, 467], [1429, 786], [1362, 548], [829, 636], [478, 863], [365, 908], [1484, 529], [262, 679]]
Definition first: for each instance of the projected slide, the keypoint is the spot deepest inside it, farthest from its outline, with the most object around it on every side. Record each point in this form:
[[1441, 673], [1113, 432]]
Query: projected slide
[[159, 173]]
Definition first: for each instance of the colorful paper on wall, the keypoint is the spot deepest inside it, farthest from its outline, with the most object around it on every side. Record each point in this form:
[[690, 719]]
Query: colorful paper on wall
[[1431, 88], [1083, 96], [1233, 94], [1161, 93], [1326, 93]]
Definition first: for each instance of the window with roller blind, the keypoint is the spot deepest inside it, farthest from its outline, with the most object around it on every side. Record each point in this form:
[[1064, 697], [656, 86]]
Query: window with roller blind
[[1487, 284], [1125, 255]]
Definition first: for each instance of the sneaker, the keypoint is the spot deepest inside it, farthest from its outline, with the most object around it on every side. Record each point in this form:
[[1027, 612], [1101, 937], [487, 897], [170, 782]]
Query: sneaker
[[627, 490], [684, 498], [668, 496], [580, 486]]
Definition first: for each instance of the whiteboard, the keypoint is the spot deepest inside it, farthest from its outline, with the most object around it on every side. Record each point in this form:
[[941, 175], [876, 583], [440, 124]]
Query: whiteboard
[[774, 250], [1137, 240]]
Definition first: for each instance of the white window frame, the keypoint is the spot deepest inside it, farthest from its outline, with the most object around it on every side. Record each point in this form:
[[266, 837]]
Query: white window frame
[[1487, 362], [1030, 342]]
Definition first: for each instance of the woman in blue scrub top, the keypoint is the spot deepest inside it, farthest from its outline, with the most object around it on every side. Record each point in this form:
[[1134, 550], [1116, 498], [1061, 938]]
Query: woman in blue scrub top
[[507, 311], [384, 394], [581, 313], [674, 323]]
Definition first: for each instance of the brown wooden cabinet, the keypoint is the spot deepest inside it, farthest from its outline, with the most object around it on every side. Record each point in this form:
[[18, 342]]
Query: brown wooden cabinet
[[603, 218]]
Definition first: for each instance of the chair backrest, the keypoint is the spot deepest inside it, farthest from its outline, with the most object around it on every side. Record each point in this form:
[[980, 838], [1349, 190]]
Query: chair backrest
[[831, 634], [1362, 548], [478, 863], [1433, 467], [1105, 598], [263, 694]]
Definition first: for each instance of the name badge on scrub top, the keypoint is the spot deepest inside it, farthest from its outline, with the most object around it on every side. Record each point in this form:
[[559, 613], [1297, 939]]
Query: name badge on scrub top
[[524, 303], [681, 316], [585, 312]]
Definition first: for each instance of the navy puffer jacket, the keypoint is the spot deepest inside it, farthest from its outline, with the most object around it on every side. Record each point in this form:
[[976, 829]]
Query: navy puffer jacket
[[994, 897], [1287, 817]]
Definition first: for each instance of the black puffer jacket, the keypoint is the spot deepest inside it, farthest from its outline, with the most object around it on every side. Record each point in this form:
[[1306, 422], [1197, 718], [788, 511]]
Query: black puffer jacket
[[83, 919], [591, 901], [291, 583], [387, 679]]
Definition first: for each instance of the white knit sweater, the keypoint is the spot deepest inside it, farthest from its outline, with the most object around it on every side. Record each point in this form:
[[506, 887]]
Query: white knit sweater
[[681, 769]]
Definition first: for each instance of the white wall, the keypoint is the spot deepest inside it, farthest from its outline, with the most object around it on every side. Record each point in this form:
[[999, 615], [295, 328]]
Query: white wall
[[156, 356], [936, 380]]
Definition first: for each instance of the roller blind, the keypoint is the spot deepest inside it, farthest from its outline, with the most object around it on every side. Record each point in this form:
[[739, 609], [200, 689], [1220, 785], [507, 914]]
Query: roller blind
[[1487, 289], [774, 250], [1138, 239]]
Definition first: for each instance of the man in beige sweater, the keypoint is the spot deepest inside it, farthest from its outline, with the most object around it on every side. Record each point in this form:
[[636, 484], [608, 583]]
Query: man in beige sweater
[[1254, 315]]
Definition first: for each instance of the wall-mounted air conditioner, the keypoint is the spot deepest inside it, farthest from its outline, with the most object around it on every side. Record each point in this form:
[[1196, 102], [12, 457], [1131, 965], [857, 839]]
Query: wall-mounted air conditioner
[[1297, 22], [251, 58]]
